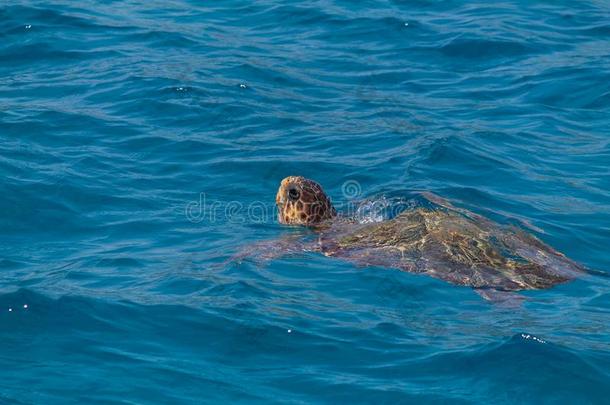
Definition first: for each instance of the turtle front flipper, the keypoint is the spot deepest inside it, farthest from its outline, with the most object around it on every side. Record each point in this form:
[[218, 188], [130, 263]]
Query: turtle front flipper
[[509, 299], [261, 253]]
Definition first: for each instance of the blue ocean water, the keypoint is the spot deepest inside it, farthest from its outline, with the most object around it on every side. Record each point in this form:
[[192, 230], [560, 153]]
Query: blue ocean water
[[142, 143]]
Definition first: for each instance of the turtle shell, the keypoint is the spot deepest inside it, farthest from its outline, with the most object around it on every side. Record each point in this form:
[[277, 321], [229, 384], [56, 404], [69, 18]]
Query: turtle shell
[[454, 245]]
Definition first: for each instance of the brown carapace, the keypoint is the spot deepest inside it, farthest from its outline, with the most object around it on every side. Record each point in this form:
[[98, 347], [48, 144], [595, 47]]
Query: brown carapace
[[301, 201]]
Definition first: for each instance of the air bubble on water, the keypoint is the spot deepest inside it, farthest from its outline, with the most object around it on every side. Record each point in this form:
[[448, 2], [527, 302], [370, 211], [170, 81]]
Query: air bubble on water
[[25, 306], [406, 24], [289, 330], [10, 310]]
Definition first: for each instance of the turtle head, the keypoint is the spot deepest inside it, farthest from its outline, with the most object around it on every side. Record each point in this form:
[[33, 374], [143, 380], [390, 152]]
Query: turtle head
[[301, 201]]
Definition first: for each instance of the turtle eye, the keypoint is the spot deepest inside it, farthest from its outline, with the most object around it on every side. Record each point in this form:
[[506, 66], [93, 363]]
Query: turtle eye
[[293, 194]]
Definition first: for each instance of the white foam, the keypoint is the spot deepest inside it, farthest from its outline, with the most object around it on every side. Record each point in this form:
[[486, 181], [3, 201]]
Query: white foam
[[532, 337], [373, 211]]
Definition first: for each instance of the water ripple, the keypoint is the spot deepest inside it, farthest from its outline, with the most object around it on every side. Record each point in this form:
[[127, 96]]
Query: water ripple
[[116, 118]]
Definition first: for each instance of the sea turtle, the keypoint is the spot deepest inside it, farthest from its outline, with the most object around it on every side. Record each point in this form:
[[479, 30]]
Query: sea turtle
[[436, 239]]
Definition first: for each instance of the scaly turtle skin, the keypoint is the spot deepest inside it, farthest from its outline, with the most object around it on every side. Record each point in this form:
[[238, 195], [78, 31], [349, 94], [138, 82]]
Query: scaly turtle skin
[[442, 241]]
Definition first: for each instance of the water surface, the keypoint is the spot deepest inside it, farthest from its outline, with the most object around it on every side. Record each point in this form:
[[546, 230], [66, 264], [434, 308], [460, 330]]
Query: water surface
[[121, 123]]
